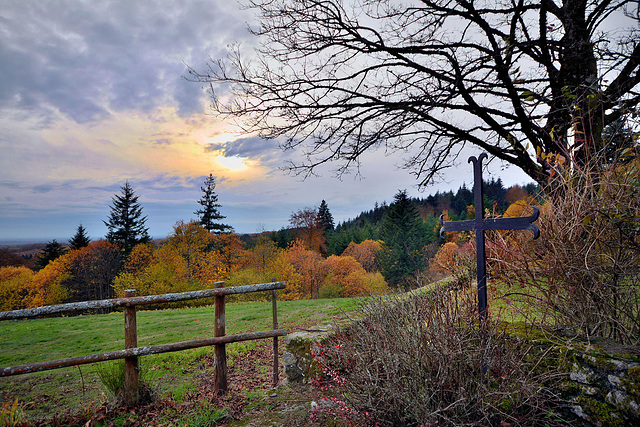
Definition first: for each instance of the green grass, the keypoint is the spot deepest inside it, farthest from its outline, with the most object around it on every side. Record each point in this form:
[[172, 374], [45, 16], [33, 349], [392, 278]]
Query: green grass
[[57, 391]]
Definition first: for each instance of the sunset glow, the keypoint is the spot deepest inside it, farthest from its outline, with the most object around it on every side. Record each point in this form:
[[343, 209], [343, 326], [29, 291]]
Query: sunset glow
[[233, 163]]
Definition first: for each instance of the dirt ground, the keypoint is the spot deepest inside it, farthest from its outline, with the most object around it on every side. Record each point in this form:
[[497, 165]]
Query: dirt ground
[[250, 401]]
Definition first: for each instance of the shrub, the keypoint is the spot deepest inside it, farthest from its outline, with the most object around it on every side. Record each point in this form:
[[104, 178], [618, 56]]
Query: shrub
[[421, 359], [584, 271]]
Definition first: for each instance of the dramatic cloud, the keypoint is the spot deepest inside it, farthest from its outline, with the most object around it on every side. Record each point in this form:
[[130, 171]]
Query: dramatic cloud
[[93, 94], [88, 59]]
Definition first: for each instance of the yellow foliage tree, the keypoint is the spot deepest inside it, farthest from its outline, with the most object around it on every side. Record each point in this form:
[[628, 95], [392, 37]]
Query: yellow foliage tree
[[15, 286], [49, 284]]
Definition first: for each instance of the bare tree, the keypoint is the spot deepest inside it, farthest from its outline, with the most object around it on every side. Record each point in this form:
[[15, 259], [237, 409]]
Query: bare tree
[[520, 79]]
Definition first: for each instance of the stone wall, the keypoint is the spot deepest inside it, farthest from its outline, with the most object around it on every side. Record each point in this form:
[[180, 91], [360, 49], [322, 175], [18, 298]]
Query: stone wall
[[602, 382], [299, 365]]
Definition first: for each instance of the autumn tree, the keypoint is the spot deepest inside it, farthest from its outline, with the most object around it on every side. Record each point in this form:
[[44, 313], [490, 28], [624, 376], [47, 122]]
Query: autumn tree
[[126, 224], [209, 214], [92, 270], [229, 248], [15, 285], [261, 254], [365, 253], [347, 278], [308, 227], [514, 79], [190, 240], [48, 286], [446, 259], [51, 251], [515, 193], [310, 265], [80, 239]]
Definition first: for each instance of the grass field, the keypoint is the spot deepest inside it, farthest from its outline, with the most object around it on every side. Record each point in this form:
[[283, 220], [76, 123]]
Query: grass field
[[170, 374]]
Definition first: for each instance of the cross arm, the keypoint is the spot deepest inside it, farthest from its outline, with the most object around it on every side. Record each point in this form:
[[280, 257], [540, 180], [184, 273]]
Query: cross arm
[[520, 223]]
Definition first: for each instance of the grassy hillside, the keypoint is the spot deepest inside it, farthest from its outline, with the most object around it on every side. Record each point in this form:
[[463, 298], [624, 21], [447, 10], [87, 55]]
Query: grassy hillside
[[169, 375]]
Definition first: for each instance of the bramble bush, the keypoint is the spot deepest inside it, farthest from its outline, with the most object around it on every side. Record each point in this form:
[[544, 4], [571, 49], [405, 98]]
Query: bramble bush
[[584, 271], [421, 359]]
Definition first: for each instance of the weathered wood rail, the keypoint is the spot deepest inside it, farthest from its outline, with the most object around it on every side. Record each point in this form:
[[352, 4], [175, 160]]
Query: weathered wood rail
[[132, 351]]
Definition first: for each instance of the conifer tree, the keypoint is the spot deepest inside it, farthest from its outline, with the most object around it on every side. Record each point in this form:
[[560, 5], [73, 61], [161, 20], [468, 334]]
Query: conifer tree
[[126, 224], [325, 217], [209, 214], [80, 239], [52, 250], [404, 236]]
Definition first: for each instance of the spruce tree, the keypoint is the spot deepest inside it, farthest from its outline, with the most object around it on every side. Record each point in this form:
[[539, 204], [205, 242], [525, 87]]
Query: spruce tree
[[126, 224], [80, 239], [52, 250], [325, 217], [404, 236], [209, 214]]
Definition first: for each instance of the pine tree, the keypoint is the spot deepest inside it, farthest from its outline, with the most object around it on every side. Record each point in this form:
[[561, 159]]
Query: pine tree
[[80, 239], [52, 250], [404, 236], [209, 214], [126, 224], [325, 217]]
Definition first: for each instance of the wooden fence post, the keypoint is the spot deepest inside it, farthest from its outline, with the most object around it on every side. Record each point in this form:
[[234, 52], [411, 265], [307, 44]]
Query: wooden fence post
[[275, 339], [131, 379], [220, 360]]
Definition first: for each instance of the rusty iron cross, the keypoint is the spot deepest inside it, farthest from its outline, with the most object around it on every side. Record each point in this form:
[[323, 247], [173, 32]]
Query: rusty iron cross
[[480, 225]]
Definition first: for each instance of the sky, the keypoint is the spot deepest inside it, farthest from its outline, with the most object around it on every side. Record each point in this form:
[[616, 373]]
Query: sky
[[93, 94]]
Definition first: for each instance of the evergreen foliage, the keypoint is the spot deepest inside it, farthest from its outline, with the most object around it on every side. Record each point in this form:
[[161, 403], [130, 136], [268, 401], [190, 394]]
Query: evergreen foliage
[[52, 250], [282, 238], [404, 236], [209, 214], [325, 217], [80, 239], [126, 224]]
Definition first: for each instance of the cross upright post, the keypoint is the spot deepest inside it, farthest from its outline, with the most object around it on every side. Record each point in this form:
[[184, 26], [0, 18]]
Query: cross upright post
[[480, 225]]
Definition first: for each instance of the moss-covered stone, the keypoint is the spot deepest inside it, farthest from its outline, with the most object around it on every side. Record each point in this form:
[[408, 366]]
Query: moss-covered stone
[[600, 413], [299, 363], [631, 382]]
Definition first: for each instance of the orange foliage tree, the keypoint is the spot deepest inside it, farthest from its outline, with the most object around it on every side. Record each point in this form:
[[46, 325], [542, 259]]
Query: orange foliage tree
[[516, 193], [347, 278], [309, 229], [365, 253], [49, 284], [229, 249], [92, 271], [446, 259], [276, 268], [310, 265]]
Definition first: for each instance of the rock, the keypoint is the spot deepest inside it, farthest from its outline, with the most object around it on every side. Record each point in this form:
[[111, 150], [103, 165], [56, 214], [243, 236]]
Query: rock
[[297, 356]]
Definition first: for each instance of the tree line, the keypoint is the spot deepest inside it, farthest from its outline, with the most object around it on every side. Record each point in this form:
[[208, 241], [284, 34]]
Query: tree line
[[387, 248]]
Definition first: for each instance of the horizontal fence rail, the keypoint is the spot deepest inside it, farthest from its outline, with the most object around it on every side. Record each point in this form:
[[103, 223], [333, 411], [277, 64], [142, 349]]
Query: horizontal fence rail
[[138, 351], [134, 301], [132, 351]]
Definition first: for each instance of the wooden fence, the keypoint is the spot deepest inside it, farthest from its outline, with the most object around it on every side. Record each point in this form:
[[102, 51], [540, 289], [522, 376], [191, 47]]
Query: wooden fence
[[131, 351]]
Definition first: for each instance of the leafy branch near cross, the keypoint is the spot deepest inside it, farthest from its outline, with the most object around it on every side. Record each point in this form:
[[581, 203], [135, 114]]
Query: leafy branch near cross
[[480, 225]]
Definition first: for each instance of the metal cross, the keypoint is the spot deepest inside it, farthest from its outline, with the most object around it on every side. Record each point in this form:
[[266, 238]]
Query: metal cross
[[480, 224]]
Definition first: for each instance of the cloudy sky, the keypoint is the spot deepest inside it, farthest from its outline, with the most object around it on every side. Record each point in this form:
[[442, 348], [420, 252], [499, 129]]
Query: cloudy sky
[[92, 94]]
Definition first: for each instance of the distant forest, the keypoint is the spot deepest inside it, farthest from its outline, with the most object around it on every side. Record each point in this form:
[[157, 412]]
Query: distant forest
[[367, 224]]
